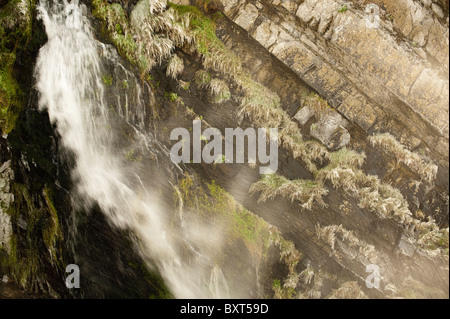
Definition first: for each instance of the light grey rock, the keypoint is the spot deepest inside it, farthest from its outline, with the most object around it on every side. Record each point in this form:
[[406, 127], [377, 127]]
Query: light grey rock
[[406, 247], [437, 10], [247, 16], [5, 231], [331, 131], [6, 198], [304, 115], [266, 34], [426, 3]]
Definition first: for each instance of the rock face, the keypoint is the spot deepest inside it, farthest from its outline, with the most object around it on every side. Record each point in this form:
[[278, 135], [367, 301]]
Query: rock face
[[390, 76], [6, 198], [359, 91]]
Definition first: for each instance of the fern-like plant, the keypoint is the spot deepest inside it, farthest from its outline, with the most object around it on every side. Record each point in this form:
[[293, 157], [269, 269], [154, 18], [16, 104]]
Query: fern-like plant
[[416, 162], [175, 67], [303, 191]]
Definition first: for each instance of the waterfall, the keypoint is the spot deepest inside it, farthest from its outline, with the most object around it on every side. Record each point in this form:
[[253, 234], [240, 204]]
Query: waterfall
[[69, 81]]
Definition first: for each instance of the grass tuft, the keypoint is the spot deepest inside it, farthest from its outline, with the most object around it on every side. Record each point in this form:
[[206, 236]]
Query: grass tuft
[[175, 67], [303, 191], [416, 162]]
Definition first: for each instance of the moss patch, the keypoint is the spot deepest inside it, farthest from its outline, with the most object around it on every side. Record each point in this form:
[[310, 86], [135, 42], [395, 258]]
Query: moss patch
[[51, 232], [211, 202], [15, 33]]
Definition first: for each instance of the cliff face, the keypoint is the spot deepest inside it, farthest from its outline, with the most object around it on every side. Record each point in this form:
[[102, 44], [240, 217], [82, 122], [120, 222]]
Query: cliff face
[[384, 71], [358, 90]]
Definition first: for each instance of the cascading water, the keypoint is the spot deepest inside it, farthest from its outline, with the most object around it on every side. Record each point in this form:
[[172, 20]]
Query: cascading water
[[69, 80]]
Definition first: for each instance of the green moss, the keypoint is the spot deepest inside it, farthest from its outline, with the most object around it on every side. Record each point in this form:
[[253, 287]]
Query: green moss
[[131, 156], [116, 23], [23, 259], [213, 202], [107, 79], [15, 34], [43, 229], [52, 233], [11, 100], [251, 228], [276, 284], [342, 8], [173, 97], [436, 239], [119, 28], [220, 160], [13, 258], [225, 96], [216, 55], [154, 280], [217, 16], [281, 292], [185, 85], [203, 77]]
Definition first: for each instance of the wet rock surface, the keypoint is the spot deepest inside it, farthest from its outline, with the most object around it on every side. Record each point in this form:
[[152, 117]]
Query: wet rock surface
[[380, 68]]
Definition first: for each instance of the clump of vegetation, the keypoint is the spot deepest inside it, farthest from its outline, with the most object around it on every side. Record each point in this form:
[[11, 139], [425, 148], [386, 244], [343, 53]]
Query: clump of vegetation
[[184, 85], [304, 191], [156, 6], [10, 93], [263, 107], [343, 8], [316, 103], [211, 202], [381, 198], [203, 31], [307, 275], [344, 171], [387, 202], [15, 34], [43, 226], [202, 78], [172, 97], [340, 170], [120, 33], [416, 162], [313, 280], [133, 156], [332, 234], [432, 239], [220, 159], [378, 197], [107, 79], [290, 257], [52, 233], [345, 158], [175, 67], [220, 90]]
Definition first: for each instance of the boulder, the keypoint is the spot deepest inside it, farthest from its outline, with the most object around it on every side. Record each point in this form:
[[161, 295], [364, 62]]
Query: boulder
[[331, 131]]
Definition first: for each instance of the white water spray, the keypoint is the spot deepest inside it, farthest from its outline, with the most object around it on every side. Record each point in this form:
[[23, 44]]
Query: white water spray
[[69, 80]]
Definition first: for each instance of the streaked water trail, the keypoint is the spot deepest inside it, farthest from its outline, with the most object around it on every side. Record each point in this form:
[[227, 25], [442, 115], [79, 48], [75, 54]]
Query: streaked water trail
[[69, 80]]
